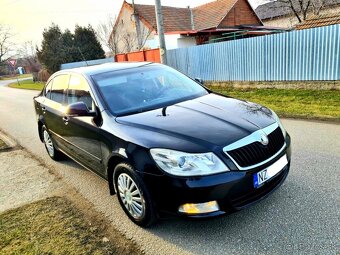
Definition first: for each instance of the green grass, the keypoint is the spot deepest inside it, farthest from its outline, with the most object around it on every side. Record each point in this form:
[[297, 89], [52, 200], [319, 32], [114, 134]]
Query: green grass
[[28, 75], [294, 103], [27, 84], [53, 226]]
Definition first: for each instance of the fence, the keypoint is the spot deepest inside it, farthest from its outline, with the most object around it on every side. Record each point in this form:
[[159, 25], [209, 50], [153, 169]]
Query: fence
[[312, 54], [86, 63], [145, 55]]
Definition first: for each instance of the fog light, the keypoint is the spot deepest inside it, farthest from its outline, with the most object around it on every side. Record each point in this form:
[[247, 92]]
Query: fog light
[[207, 207]]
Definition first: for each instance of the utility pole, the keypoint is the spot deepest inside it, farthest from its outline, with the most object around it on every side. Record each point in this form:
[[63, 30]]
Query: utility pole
[[160, 30]]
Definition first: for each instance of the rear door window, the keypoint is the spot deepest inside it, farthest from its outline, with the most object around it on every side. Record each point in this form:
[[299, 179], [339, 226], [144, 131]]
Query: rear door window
[[59, 89]]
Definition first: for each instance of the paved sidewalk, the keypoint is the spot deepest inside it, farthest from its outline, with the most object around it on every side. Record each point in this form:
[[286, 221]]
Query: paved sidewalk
[[24, 179]]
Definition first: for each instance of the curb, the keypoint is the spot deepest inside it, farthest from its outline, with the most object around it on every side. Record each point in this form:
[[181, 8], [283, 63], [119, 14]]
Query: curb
[[11, 143]]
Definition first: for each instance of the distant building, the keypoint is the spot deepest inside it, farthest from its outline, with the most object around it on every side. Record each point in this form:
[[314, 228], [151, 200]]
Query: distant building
[[277, 13], [136, 27]]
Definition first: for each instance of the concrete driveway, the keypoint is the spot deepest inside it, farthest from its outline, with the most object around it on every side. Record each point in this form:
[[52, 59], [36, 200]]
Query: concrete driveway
[[302, 217]]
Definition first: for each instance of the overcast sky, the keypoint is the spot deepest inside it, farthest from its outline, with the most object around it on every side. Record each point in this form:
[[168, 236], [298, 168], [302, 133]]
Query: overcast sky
[[28, 18]]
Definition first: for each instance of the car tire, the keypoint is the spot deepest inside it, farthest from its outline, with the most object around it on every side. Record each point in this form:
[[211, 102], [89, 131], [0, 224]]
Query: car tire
[[52, 151], [133, 195]]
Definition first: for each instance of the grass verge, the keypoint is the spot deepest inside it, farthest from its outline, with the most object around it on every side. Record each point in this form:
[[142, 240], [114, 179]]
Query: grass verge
[[27, 84], [293, 103], [28, 75], [54, 226]]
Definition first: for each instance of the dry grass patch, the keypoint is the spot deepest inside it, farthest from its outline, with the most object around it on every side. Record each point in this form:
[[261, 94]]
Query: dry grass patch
[[55, 226]]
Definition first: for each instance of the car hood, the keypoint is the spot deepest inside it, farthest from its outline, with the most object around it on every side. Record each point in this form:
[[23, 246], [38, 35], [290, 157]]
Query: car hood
[[209, 121]]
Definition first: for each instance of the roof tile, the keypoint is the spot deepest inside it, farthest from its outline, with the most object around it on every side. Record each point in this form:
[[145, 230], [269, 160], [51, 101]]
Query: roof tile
[[178, 19], [211, 14], [174, 19], [319, 21]]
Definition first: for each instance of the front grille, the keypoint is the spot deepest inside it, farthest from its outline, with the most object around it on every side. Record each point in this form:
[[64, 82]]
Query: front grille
[[255, 152]]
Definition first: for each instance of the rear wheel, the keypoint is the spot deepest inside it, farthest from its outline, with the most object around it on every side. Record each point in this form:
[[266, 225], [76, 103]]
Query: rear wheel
[[133, 196], [50, 148]]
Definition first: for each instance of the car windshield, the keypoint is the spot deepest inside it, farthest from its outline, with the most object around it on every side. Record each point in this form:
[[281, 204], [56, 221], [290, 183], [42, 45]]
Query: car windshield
[[145, 88]]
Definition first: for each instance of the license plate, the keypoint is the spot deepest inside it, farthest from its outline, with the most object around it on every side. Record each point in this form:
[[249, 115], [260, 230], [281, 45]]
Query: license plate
[[268, 173]]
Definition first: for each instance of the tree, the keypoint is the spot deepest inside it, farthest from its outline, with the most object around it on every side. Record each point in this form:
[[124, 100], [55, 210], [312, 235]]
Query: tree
[[86, 41], [128, 36], [6, 44], [63, 47], [104, 31], [300, 8], [52, 52], [29, 59]]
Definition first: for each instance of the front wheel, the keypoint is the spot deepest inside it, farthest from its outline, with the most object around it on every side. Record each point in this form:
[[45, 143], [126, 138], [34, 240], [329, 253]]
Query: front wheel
[[50, 148], [133, 196]]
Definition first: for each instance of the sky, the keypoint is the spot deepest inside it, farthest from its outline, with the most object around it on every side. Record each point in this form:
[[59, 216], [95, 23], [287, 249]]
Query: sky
[[28, 18]]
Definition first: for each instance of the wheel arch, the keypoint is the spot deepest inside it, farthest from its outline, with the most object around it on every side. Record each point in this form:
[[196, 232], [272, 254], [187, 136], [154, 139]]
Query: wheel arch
[[40, 125], [111, 165]]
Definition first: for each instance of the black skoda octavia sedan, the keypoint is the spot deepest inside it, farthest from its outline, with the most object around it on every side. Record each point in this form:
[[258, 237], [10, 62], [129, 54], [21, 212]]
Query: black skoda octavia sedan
[[165, 143]]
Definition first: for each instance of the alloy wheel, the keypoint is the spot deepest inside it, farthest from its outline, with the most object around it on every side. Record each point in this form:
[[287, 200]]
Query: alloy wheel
[[131, 196], [48, 143]]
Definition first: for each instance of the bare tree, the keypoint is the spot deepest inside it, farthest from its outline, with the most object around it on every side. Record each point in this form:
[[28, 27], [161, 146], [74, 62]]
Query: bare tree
[[318, 5], [300, 8], [6, 43], [28, 57], [132, 42], [126, 38], [27, 49], [129, 41], [105, 32]]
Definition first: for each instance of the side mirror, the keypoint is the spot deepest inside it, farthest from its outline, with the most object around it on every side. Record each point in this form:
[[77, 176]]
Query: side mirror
[[199, 80], [79, 109]]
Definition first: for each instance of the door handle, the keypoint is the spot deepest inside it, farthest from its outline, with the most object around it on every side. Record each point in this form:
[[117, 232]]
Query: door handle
[[65, 119]]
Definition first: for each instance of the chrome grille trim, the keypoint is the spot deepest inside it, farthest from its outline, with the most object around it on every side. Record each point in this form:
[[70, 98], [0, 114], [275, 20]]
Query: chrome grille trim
[[253, 137]]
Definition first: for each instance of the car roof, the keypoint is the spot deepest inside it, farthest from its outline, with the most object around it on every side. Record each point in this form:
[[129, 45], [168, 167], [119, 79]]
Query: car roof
[[103, 68]]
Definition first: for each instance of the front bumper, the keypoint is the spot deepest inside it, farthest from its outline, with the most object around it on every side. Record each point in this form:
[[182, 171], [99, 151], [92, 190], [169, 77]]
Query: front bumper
[[233, 190]]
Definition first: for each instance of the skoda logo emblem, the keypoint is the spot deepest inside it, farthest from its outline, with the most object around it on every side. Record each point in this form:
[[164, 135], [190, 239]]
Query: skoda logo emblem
[[264, 139]]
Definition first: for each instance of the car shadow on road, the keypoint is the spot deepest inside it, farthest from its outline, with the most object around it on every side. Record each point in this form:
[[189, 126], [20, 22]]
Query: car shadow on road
[[283, 223]]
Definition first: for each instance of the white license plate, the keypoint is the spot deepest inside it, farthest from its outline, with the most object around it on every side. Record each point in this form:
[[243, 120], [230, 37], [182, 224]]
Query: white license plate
[[268, 173]]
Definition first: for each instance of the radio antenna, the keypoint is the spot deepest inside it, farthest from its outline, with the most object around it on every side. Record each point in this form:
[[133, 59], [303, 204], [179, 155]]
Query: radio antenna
[[82, 56]]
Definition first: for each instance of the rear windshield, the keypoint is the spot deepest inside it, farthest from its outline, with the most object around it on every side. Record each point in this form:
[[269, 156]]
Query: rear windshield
[[145, 88]]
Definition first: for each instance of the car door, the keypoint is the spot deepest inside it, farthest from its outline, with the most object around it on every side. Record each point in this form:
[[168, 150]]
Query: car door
[[82, 132], [53, 109]]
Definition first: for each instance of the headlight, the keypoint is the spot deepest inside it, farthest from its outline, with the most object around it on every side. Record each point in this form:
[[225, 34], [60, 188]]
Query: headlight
[[280, 123], [188, 164]]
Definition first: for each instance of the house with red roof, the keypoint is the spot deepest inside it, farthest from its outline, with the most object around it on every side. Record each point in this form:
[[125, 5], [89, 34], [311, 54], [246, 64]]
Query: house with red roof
[[136, 28]]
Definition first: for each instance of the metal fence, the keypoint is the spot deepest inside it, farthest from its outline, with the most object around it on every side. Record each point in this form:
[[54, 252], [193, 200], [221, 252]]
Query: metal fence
[[312, 54], [86, 63]]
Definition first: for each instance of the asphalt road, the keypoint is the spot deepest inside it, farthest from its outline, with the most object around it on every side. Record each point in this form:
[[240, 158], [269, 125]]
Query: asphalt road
[[302, 217]]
